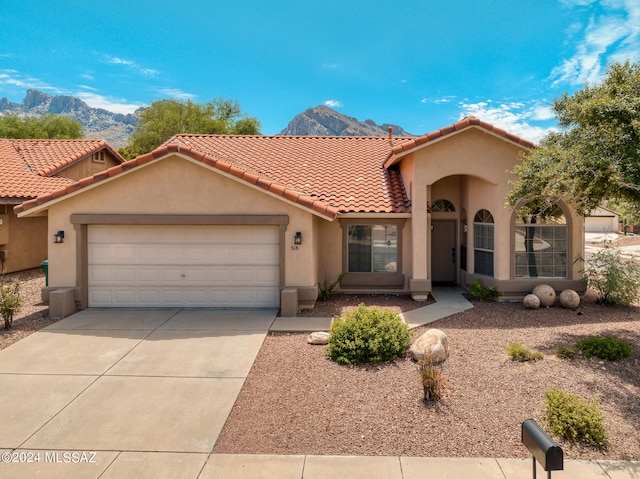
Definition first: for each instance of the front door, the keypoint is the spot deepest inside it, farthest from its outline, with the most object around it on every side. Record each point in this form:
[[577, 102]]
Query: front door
[[443, 251]]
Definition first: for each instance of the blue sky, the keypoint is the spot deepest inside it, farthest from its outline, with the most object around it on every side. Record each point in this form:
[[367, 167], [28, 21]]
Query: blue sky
[[420, 64]]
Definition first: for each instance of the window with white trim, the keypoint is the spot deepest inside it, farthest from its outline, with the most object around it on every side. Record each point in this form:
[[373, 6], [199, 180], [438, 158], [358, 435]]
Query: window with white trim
[[541, 243], [483, 243], [372, 248]]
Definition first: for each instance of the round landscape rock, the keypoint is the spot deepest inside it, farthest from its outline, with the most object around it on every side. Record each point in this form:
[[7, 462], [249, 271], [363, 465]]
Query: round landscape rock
[[569, 299], [531, 301], [433, 342], [319, 337], [546, 294]]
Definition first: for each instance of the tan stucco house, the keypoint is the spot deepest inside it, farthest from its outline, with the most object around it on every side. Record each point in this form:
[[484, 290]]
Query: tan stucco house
[[31, 168], [260, 221]]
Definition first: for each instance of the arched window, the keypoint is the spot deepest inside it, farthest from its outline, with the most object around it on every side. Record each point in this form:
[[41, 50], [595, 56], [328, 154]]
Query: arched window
[[483, 239], [443, 206], [541, 241]]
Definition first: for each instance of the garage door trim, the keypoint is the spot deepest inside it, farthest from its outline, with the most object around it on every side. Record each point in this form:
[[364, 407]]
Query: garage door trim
[[81, 222]]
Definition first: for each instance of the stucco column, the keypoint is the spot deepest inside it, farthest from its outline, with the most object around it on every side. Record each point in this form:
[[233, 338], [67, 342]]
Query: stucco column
[[419, 283]]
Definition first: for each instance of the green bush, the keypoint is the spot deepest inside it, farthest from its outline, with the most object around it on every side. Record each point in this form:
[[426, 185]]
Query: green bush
[[10, 302], [326, 290], [574, 419], [484, 293], [368, 335], [614, 278], [608, 347], [566, 352], [519, 353]]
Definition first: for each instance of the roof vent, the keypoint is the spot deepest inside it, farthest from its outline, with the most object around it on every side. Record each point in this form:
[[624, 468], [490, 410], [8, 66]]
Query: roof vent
[[390, 135]]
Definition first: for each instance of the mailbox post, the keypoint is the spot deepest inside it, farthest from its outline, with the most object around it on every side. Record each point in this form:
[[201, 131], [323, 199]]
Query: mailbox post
[[544, 449]]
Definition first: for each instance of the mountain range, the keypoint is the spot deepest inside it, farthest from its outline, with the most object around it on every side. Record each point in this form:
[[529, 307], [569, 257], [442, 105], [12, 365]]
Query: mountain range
[[114, 128], [98, 123]]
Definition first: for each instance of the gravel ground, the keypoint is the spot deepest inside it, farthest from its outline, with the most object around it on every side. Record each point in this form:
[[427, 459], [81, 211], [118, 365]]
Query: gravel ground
[[296, 401], [33, 313]]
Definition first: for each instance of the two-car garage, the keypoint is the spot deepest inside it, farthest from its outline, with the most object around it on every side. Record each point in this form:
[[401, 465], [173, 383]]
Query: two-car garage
[[196, 265]]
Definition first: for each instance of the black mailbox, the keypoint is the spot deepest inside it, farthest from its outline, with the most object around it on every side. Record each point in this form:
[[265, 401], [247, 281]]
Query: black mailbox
[[544, 449]]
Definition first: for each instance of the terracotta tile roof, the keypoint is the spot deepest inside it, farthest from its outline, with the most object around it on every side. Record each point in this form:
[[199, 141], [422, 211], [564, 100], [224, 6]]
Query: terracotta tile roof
[[28, 167], [329, 175], [467, 122]]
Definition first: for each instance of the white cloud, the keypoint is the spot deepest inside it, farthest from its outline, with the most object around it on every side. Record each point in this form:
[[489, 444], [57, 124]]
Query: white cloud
[[13, 78], [333, 103], [439, 101], [514, 117], [176, 93], [148, 72], [116, 105], [611, 36]]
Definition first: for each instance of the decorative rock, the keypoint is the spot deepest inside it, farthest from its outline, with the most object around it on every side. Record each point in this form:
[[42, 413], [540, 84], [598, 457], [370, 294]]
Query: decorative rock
[[319, 337], [433, 342], [531, 301], [545, 294], [569, 299]]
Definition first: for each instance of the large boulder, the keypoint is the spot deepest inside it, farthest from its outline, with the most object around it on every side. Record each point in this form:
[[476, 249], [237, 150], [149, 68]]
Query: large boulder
[[319, 337], [433, 342], [569, 299], [531, 301], [546, 294]]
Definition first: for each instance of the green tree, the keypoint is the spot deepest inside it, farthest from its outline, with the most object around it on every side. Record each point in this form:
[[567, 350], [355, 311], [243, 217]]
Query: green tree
[[595, 156], [46, 126], [165, 118]]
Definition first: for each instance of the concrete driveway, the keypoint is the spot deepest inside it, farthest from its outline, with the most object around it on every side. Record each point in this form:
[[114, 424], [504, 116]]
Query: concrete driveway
[[107, 392]]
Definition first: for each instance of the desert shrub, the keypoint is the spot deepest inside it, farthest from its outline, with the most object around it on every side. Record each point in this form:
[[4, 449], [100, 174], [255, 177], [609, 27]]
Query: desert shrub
[[484, 293], [10, 302], [432, 379], [608, 347], [574, 419], [326, 289], [519, 353], [368, 335], [566, 352], [615, 279]]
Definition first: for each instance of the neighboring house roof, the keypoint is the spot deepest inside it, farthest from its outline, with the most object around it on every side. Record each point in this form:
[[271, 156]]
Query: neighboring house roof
[[28, 168], [329, 175]]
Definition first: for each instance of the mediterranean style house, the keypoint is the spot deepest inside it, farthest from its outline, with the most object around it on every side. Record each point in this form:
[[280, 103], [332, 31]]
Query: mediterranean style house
[[30, 168], [263, 221]]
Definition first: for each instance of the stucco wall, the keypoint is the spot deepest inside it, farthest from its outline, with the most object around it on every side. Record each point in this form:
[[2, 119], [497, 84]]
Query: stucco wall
[[27, 242], [87, 167], [175, 185]]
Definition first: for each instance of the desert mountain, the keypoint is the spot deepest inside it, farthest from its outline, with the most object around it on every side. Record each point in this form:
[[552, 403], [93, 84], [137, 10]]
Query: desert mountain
[[114, 128], [324, 121]]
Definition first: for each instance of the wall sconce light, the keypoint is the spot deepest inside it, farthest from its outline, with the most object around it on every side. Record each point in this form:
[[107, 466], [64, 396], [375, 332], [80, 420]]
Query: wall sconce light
[[466, 228], [59, 237], [432, 227], [297, 239]]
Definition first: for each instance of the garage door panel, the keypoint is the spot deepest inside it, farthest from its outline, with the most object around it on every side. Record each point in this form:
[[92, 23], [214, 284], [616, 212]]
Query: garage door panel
[[211, 266]]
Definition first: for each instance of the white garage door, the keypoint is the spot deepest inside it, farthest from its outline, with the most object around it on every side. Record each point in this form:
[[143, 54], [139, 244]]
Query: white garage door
[[193, 266]]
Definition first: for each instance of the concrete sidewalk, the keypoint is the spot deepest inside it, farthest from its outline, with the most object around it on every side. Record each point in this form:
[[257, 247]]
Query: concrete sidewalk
[[183, 465]]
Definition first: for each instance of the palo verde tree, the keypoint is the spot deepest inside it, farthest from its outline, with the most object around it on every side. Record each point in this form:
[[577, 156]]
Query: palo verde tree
[[53, 127], [165, 118], [596, 154]]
